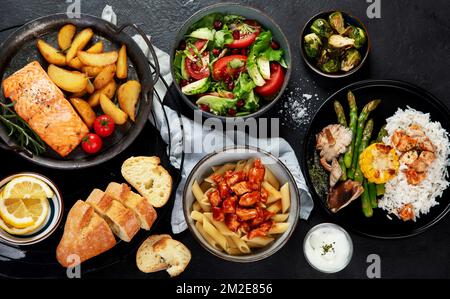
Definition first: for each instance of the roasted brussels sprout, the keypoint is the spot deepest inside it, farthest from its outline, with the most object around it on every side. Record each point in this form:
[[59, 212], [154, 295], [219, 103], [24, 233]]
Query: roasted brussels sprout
[[339, 41], [359, 35], [328, 63], [313, 45], [321, 28], [350, 60], [337, 22]]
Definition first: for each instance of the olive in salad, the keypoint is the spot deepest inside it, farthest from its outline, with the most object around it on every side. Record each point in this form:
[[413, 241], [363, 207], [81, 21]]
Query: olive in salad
[[228, 64], [333, 45]]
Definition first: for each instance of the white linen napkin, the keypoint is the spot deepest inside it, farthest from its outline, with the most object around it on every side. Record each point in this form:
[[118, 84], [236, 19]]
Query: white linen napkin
[[285, 152]]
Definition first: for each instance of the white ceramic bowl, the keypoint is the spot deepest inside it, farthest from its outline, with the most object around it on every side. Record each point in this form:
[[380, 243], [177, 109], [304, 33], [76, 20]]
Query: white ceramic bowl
[[51, 223], [203, 169]]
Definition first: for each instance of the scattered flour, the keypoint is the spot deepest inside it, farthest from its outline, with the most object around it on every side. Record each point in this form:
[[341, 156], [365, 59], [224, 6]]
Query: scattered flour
[[297, 109]]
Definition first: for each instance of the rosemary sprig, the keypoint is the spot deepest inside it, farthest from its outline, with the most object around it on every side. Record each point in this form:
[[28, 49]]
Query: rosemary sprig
[[19, 129]]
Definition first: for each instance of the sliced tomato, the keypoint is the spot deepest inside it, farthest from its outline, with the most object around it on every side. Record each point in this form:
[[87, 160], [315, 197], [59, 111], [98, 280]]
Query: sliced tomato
[[197, 69], [222, 70], [274, 84], [245, 40], [199, 45]]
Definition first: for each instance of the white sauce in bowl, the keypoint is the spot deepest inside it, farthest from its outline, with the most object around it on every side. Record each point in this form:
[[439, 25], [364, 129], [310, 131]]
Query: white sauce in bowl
[[328, 248]]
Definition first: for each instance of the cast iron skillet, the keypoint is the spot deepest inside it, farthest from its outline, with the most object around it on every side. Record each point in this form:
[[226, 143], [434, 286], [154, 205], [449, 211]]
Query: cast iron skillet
[[20, 49], [394, 95]]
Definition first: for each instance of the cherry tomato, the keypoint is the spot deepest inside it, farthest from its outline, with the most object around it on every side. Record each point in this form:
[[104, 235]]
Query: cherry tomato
[[222, 70], [91, 143], [274, 84], [245, 40], [198, 69], [104, 126]]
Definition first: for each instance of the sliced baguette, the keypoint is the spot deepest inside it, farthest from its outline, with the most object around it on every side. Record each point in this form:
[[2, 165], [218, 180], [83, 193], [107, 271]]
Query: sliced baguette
[[144, 211], [174, 253], [121, 220], [149, 178], [146, 259]]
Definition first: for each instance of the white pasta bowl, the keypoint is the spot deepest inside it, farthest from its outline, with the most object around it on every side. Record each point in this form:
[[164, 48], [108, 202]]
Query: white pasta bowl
[[204, 168]]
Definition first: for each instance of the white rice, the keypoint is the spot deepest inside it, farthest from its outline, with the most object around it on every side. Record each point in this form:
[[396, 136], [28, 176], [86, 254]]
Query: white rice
[[423, 196]]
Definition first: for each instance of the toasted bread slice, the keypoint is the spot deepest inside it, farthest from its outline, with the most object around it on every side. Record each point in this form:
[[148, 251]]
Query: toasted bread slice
[[85, 235], [144, 211], [122, 220], [149, 178], [146, 259], [174, 253]]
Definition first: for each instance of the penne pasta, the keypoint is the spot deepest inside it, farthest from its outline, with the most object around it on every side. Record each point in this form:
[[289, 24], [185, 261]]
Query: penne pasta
[[285, 198], [270, 177], [257, 242], [205, 186], [241, 244], [280, 217], [274, 194], [234, 251], [196, 207], [207, 237], [215, 234], [231, 243], [200, 197], [220, 171], [221, 227], [248, 165], [279, 228], [197, 216], [275, 208], [240, 165]]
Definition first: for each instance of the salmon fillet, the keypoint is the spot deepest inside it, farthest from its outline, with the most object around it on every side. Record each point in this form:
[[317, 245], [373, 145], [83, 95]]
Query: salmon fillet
[[43, 106]]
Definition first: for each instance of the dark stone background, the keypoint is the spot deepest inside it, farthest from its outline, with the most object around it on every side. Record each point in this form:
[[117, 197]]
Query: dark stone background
[[410, 43]]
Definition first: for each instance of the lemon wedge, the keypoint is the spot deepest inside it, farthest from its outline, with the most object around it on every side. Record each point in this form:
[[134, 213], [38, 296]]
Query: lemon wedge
[[27, 187]]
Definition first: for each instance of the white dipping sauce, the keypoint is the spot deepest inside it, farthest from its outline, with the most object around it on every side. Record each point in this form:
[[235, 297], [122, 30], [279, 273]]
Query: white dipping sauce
[[328, 248]]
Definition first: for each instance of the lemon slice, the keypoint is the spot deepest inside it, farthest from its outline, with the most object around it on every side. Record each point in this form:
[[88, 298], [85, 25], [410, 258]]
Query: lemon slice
[[27, 187], [15, 231], [24, 213]]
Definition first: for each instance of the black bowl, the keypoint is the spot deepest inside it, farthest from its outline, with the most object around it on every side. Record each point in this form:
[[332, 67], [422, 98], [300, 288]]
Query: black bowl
[[348, 19], [252, 14], [394, 95]]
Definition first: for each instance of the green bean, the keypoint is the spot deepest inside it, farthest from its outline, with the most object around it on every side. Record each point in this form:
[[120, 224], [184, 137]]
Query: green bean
[[373, 195], [353, 123], [371, 106], [365, 200], [380, 189], [366, 136]]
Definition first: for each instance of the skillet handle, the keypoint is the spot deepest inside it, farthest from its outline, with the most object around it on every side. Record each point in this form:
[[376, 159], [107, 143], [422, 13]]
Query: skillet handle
[[155, 64]]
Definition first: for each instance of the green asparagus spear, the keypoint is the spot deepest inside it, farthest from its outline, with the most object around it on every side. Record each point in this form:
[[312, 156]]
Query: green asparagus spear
[[380, 190], [383, 133], [340, 113], [353, 123], [366, 135], [365, 199], [343, 122], [373, 195], [371, 106]]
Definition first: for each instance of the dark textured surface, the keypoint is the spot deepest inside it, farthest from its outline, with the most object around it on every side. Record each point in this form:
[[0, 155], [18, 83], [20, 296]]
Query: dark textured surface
[[409, 43]]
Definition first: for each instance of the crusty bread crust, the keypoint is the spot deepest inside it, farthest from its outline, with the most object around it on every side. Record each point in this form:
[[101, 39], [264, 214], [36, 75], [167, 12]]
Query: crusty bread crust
[[85, 234]]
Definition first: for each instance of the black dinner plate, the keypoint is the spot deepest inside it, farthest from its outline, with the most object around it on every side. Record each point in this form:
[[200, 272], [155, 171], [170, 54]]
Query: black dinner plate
[[394, 95]]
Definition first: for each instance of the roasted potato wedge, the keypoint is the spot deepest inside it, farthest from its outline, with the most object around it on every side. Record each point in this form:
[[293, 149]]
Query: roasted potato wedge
[[84, 110], [51, 54], [75, 63], [71, 81], [122, 64], [89, 86], [112, 110], [105, 76], [91, 71], [78, 43], [100, 59], [128, 94], [65, 36], [96, 48], [109, 90]]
